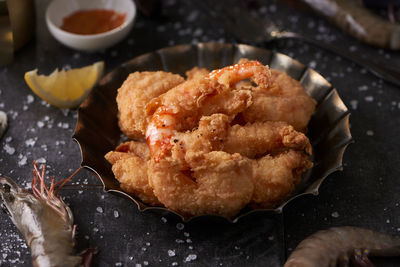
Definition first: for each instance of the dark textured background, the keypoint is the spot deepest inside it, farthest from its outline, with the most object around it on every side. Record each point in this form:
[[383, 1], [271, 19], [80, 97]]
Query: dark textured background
[[364, 194]]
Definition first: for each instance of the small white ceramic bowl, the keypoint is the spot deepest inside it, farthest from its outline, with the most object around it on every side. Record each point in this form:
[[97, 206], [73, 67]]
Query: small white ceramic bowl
[[59, 9]]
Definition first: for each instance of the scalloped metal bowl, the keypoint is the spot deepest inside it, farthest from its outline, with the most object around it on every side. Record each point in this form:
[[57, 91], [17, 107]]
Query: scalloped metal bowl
[[97, 129]]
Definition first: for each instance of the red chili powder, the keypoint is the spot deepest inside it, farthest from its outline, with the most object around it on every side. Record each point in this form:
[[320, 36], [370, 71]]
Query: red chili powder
[[92, 21]]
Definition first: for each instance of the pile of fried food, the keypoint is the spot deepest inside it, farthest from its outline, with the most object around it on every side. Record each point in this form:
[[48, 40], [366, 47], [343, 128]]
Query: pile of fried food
[[214, 143]]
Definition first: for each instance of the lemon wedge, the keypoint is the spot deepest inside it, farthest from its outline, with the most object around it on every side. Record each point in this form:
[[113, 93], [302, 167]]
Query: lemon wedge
[[65, 88]]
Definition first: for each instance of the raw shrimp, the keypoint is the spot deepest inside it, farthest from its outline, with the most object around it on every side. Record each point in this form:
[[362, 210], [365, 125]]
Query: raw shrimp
[[285, 100], [356, 19], [44, 220], [181, 107], [135, 93], [338, 245], [129, 165]]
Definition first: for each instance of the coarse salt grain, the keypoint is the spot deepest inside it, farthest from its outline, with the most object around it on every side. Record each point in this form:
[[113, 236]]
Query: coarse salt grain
[[335, 214], [171, 253], [369, 98], [370, 133], [180, 226], [116, 214], [191, 257]]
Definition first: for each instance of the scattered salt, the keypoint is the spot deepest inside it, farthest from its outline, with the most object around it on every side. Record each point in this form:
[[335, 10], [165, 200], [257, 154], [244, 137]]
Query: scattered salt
[[30, 99], [10, 150], [369, 98], [30, 142], [370, 133], [191, 257], [22, 160], [363, 88], [174, 263], [163, 219], [180, 226], [354, 104], [171, 253], [41, 160], [99, 209], [40, 124], [335, 214], [116, 214]]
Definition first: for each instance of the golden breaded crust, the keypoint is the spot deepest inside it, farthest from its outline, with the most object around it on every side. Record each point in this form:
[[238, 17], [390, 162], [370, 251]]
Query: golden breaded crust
[[135, 93]]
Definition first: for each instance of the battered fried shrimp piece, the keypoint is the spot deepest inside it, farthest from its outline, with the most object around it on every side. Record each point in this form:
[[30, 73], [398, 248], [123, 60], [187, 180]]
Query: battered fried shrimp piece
[[208, 137], [135, 93], [259, 138], [275, 178], [196, 73], [129, 165], [181, 108], [219, 183], [285, 100]]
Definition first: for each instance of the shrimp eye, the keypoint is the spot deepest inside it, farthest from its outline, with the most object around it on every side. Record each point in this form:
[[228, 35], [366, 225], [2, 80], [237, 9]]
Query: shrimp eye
[[5, 187]]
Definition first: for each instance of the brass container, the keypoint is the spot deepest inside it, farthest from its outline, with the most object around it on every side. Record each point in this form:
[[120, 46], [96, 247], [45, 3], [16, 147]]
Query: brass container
[[17, 25]]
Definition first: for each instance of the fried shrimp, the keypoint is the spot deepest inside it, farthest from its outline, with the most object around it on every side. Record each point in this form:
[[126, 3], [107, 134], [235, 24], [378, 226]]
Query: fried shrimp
[[275, 177], [259, 138], [216, 142], [196, 73], [180, 108], [218, 183], [278, 156], [135, 93], [129, 165], [285, 100]]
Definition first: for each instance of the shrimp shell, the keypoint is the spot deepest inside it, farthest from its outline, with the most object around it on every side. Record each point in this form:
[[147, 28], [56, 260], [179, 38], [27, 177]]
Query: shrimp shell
[[336, 245]]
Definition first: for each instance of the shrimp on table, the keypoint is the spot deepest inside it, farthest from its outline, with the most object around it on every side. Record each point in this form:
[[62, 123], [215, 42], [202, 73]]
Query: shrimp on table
[[44, 220], [180, 108], [340, 245]]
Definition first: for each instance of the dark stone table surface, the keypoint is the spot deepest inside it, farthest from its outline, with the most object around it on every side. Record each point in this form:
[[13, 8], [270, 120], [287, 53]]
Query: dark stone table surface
[[365, 193]]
